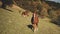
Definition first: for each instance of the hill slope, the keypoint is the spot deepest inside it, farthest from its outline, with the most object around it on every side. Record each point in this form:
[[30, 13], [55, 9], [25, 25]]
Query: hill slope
[[11, 22]]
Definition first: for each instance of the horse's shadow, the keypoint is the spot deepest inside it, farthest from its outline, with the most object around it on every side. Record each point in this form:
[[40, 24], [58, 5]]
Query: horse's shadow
[[30, 26]]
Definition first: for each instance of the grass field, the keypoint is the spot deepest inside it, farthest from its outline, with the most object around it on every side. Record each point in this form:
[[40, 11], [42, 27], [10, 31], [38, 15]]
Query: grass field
[[11, 22]]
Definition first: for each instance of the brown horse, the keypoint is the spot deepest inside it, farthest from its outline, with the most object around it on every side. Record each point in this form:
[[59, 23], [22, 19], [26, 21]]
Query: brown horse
[[35, 21], [25, 13]]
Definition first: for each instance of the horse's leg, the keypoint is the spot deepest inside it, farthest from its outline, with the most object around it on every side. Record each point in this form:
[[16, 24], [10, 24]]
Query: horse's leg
[[34, 27], [37, 26]]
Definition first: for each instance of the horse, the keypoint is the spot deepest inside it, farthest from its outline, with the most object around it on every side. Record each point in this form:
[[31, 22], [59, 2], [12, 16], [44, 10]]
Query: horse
[[34, 21], [25, 13]]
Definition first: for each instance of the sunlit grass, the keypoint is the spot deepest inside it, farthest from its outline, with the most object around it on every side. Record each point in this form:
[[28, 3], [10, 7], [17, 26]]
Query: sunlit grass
[[14, 23]]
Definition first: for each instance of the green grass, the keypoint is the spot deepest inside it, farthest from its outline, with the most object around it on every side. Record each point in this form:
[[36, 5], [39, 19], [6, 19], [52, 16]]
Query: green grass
[[14, 23]]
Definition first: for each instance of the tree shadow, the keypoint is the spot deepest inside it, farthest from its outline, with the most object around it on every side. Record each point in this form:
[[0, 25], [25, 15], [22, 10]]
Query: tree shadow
[[54, 22], [57, 21], [7, 2], [8, 9]]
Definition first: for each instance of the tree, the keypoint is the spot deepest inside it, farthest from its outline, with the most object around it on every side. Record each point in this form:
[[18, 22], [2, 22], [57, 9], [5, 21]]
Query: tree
[[7, 2]]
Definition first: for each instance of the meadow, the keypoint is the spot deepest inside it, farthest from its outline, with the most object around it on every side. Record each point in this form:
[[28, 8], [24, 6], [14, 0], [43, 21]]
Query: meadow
[[11, 22]]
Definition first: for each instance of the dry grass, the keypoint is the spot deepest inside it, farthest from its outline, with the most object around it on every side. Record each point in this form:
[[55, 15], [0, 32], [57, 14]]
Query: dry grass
[[14, 23]]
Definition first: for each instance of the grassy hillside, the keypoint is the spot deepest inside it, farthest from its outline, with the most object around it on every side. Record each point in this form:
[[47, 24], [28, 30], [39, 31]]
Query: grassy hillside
[[11, 22]]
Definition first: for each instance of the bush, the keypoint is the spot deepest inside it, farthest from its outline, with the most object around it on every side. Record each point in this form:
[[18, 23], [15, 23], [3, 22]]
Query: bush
[[0, 3], [55, 16]]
